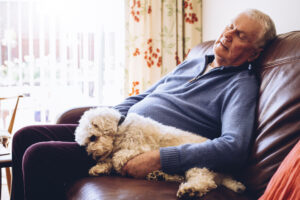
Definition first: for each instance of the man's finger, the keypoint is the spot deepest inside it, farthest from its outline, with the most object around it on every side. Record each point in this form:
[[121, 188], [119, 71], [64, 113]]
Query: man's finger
[[124, 170]]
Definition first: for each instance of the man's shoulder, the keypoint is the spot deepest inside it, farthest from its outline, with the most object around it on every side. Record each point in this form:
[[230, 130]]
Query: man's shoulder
[[246, 81], [247, 75]]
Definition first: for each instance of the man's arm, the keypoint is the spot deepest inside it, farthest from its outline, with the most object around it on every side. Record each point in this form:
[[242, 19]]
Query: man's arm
[[143, 164], [230, 150], [225, 153]]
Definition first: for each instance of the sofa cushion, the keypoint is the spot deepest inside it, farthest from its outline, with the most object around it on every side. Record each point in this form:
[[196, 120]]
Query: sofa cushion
[[107, 187], [278, 111], [115, 187]]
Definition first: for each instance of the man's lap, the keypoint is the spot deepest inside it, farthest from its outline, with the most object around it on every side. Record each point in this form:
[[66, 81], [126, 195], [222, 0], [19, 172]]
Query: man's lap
[[29, 135]]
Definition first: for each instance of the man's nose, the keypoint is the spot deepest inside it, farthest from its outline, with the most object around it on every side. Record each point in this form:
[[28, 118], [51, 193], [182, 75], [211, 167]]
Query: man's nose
[[228, 34]]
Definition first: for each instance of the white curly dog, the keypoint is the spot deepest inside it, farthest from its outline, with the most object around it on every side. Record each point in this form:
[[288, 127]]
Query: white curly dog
[[112, 141]]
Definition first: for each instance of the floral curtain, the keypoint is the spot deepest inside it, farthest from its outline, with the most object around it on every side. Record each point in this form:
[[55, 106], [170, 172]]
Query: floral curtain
[[160, 34]]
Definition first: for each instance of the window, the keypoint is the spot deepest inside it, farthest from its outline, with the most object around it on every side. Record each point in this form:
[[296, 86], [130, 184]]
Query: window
[[61, 54]]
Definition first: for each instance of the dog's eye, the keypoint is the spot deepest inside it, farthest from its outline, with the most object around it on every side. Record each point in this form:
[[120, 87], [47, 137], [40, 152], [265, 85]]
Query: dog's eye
[[92, 138]]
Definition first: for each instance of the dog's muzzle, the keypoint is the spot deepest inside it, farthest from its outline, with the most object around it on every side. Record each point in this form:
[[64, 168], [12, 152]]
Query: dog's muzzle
[[121, 120]]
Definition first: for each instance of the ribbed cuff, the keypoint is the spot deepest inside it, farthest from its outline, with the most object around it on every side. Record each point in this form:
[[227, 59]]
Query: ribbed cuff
[[170, 160]]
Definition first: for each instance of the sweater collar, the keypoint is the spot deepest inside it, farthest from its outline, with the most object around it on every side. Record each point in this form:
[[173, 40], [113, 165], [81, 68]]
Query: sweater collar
[[247, 65]]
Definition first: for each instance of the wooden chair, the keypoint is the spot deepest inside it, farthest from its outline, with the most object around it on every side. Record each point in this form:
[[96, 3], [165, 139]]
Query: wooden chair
[[6, 160]]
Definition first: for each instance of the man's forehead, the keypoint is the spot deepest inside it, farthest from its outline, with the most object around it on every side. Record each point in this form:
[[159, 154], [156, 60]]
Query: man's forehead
[[247, 24]]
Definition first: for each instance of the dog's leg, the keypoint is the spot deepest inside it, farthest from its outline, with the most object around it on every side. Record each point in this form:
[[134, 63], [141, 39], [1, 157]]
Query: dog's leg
[[121, 157], [102, 167], [232, 184], [159, 175], [199, 182]]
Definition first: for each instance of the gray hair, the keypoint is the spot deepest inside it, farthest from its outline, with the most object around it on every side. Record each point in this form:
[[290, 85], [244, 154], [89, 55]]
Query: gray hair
[[269, 30]]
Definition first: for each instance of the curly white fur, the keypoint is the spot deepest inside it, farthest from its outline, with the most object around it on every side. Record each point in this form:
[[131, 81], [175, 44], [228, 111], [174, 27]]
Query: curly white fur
[[112, 146]]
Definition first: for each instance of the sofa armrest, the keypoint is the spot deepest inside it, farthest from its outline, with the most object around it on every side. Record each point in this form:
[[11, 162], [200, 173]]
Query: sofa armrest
[[71, 116]]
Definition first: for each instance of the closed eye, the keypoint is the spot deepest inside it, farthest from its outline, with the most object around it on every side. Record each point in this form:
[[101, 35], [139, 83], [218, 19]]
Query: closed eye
[[242, 35]]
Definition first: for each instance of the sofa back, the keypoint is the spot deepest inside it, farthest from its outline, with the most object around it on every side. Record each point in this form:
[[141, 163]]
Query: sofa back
[[278, 109]]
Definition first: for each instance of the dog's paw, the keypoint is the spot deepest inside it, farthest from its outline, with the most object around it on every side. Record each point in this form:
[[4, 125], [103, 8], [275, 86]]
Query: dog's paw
[[187, 192], [194, 190], [233, 185], [188, 195], [99, 170], [159, 175], [156, 175], [240, 187]]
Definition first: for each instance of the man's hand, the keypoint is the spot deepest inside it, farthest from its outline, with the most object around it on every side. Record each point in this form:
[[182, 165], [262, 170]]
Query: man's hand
[[141, 165]]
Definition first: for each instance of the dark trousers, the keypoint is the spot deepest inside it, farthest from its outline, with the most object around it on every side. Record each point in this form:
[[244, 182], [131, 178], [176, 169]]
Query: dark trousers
[[44, 159]]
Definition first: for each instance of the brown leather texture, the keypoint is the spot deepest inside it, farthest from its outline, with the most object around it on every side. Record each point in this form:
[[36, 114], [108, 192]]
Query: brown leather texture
[[71, 116], [277, 131], [122, 188], [278, 111]]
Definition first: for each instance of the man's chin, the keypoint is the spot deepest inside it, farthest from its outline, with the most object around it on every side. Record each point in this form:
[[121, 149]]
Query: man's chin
[[220, 52], [219, 58]]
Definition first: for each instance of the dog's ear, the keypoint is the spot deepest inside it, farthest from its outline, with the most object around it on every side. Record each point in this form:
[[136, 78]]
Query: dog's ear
[[103, 126], [97, 121], [110, 119]]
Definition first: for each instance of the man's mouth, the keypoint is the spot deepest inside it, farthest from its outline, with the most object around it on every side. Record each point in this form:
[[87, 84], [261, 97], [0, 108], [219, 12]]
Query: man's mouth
[[223, 45]]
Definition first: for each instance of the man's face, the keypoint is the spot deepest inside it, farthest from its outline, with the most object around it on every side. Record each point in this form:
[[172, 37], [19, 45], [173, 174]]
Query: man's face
[[237, 43]]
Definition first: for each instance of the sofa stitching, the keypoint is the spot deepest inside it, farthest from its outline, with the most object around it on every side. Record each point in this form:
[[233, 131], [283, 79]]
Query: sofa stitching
[[280, 62]]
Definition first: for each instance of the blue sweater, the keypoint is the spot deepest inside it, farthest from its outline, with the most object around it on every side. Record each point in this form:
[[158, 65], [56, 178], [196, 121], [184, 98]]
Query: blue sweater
[[219, 105]]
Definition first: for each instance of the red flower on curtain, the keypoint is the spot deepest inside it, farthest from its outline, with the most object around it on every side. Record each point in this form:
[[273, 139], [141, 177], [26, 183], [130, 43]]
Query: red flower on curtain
[[152, 55], [135, 10], [134, 90], [177, 57], [185, 55], [189, 16], [149, 10], [136, 52]]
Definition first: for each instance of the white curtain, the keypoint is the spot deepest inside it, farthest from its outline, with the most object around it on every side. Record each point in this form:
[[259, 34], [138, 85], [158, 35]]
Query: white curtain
[[160, 34], [61, 54]]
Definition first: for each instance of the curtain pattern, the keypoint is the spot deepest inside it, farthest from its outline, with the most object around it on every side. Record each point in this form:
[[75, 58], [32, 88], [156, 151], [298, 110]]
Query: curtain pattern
[[159, 35]]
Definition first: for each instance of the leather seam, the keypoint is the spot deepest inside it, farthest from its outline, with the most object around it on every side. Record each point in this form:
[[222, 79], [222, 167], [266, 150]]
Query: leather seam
[[280, 62]]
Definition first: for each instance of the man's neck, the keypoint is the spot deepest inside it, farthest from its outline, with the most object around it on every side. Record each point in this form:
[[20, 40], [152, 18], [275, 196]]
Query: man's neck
[[208, 68], [214, 64]]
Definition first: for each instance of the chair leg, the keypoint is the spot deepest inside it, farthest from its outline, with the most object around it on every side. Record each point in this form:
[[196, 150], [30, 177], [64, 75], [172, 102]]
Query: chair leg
[[0, 182], [8, 179]]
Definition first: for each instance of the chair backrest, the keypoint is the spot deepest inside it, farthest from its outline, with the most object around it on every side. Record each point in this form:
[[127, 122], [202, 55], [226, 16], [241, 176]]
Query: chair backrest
[[278, 109], [12, 121]]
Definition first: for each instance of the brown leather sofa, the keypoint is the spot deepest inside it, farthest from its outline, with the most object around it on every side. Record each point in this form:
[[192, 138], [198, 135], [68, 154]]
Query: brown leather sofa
[[277, 131]]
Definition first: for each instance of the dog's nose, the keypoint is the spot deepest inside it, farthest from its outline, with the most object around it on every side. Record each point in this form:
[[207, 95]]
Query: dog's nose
[[92, 138]]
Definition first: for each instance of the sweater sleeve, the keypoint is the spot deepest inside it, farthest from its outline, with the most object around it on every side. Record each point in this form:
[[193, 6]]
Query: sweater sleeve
[[229, 151]]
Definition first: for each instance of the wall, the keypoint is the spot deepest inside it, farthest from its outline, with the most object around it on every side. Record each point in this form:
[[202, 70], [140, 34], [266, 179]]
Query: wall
[[218, 13]]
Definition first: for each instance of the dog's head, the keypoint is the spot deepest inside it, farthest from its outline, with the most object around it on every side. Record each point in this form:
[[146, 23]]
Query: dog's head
[[97, 129]]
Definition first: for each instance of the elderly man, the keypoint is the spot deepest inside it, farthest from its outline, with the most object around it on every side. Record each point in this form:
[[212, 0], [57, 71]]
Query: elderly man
[[214, 96], [218, 102]]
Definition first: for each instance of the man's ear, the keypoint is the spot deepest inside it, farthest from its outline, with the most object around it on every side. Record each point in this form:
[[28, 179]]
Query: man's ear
[[255, 54]]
